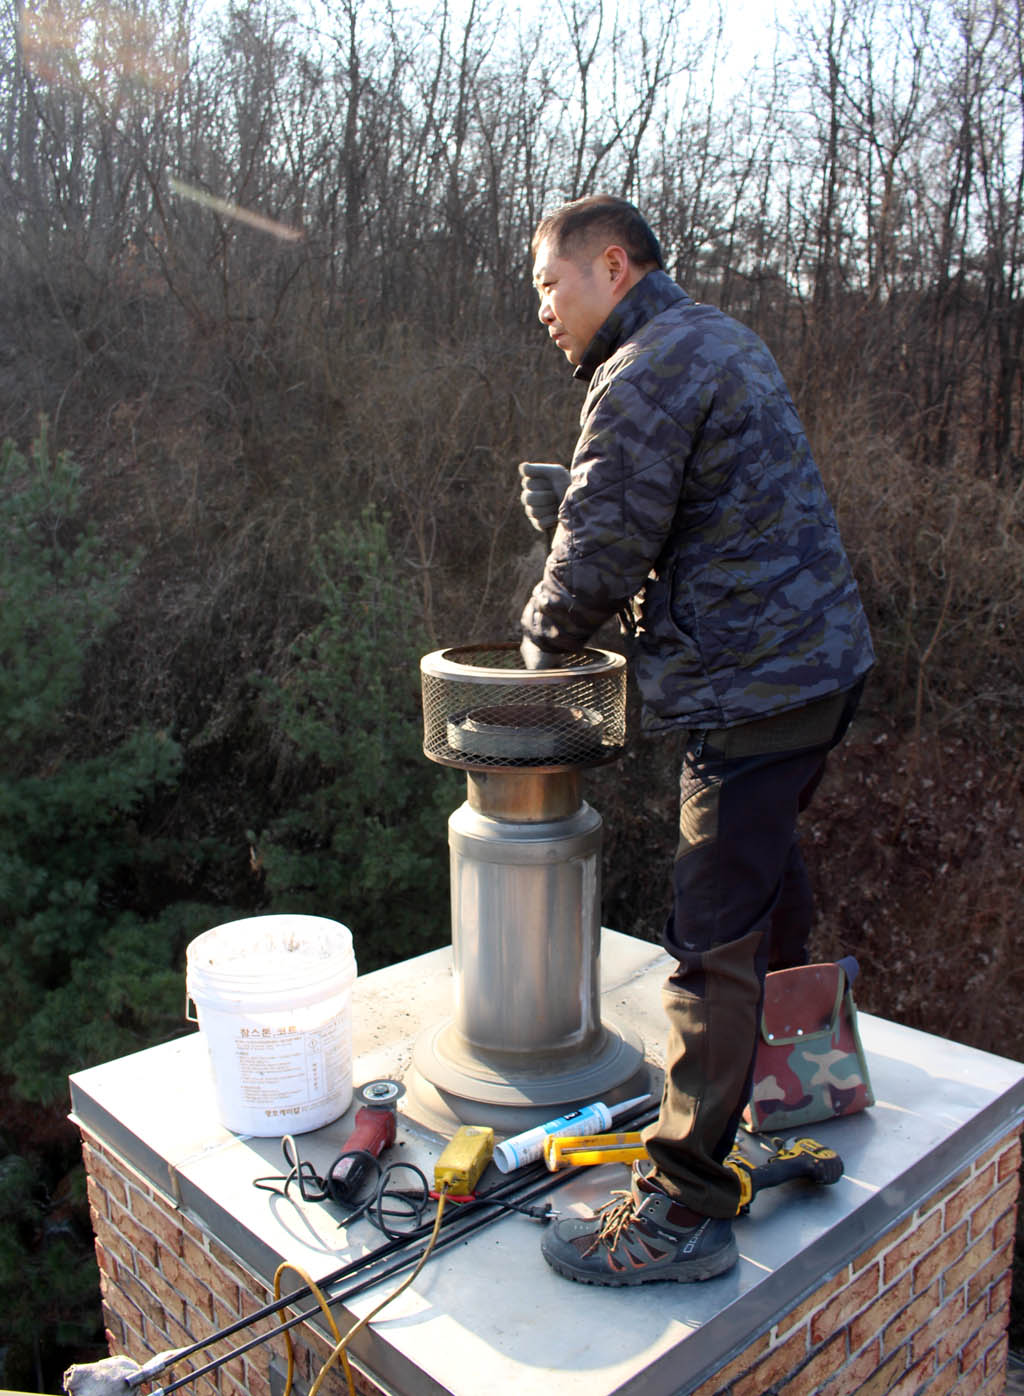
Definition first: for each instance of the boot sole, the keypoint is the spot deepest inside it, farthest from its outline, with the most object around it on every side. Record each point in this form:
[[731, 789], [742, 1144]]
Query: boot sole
[[685, 1271]]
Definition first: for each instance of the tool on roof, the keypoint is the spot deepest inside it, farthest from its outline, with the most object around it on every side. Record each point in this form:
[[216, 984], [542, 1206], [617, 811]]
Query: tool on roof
[[571, 1151], [789, 1160], [376, 1125], [464, 1159]]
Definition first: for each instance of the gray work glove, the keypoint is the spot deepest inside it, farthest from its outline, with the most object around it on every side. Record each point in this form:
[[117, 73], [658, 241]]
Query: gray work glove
[[116, 1376], [543, 488], [536, 658]]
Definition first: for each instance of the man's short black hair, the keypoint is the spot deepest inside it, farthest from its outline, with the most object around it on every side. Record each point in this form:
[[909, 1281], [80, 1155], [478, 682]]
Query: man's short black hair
[[600, 218]]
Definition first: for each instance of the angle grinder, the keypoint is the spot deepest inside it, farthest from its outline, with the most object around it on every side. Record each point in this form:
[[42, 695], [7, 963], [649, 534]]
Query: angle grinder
[[375, 1128]]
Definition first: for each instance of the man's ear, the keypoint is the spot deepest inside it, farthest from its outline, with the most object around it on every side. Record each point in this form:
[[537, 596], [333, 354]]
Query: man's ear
[[618, 268]]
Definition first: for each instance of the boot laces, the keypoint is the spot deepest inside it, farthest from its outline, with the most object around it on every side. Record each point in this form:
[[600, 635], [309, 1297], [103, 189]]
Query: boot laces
[[618, 1213]]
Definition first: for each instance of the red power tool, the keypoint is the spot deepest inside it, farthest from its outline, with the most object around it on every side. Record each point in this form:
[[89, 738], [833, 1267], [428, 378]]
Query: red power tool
[[375, 1127]]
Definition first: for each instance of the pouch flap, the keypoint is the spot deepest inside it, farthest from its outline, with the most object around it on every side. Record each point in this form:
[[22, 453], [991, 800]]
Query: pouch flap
[[801, 1002]]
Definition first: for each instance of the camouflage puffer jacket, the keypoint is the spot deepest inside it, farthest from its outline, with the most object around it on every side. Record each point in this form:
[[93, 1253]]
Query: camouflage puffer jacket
[[695, 508]]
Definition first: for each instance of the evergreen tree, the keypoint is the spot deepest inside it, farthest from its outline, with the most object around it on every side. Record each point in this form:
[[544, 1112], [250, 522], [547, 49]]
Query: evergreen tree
[[363, 839], [86, 979]]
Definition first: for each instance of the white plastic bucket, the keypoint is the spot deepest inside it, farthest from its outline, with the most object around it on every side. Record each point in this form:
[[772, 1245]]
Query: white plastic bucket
[[273, 997]]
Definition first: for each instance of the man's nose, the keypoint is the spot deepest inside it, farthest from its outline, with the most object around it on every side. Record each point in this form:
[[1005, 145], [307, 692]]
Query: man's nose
[[545, 314]]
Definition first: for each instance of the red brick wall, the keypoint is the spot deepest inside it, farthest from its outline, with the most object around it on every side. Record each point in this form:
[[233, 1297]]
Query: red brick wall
[[922, 1310]]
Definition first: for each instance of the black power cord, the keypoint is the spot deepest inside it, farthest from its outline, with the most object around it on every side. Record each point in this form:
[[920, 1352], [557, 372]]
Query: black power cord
[[381, 1203]]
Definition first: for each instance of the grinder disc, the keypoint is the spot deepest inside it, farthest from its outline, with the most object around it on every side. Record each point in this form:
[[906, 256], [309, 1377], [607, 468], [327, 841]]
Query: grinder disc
[[383, 1091]]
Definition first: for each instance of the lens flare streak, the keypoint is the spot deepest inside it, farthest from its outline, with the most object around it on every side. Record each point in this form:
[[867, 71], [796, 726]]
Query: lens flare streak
[[227, 209]]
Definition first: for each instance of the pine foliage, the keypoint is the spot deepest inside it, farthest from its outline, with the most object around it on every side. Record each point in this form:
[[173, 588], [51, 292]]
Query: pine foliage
[[85, 976], [363, 839]]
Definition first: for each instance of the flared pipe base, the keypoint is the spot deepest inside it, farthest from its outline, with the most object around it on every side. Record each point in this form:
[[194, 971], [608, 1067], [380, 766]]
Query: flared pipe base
[[450, 1084]]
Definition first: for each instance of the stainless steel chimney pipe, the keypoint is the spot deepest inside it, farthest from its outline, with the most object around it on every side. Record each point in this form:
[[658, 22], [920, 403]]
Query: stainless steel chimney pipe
[[525, 1038]]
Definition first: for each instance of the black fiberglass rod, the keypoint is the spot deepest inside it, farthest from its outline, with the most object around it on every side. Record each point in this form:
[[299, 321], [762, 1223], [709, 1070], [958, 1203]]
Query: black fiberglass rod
[[447, 1237]]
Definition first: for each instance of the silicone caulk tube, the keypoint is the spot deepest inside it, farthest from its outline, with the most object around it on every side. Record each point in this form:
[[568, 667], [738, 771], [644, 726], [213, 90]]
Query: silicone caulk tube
[[529, 1146]]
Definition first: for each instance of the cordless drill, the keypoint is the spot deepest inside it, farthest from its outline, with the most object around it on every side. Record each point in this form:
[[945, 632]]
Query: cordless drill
[[796, 1158]]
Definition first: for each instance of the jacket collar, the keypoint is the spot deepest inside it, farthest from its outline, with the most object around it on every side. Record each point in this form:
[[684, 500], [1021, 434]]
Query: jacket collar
[[651, 295]]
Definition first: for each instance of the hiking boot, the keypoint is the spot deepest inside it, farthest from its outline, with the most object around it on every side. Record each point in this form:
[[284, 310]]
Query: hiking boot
[[638, 1236]]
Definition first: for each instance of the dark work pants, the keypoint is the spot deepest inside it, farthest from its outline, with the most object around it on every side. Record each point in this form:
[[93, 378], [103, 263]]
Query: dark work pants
[[742, 905]]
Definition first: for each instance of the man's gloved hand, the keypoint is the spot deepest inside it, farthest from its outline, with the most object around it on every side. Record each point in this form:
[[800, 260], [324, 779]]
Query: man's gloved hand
[[543, 488], [536, 658]]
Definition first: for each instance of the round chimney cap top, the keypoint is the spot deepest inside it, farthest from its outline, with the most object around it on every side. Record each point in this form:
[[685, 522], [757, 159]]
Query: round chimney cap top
[[498, 662]]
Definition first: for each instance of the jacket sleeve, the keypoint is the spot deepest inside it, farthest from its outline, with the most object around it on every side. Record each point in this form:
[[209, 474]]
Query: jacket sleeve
[[627, 474]]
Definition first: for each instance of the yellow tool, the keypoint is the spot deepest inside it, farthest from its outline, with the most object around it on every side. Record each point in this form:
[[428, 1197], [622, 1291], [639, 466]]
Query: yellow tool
[[793, 1158], [567, 1151], [464, 1159]]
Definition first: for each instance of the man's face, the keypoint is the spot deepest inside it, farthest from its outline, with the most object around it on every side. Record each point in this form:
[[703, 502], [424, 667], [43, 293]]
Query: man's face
[[576, 297]]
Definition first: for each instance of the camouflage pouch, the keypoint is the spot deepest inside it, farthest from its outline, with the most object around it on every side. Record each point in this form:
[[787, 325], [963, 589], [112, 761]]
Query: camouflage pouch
[[810, 1064]]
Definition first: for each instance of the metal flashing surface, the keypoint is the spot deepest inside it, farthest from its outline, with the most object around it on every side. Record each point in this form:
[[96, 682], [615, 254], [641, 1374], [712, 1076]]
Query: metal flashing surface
[[491, 1305]]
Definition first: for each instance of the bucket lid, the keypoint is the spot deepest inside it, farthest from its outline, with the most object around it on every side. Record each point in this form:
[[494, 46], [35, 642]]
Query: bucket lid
[[266, 959]]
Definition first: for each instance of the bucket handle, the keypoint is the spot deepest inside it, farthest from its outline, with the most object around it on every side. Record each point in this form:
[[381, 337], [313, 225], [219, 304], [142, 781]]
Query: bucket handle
[[191, 1009]]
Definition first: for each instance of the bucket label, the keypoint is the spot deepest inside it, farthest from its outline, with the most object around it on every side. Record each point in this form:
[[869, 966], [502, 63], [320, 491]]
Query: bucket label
[[287, 1071], [284, 1070]]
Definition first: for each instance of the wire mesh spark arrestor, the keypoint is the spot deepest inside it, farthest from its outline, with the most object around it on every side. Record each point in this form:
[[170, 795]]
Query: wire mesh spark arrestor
[[484, 710], [526, 1037]]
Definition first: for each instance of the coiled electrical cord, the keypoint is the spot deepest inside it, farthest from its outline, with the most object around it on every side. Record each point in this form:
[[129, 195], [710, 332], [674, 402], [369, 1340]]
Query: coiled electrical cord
[[393, 1210], [397, 1212]]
